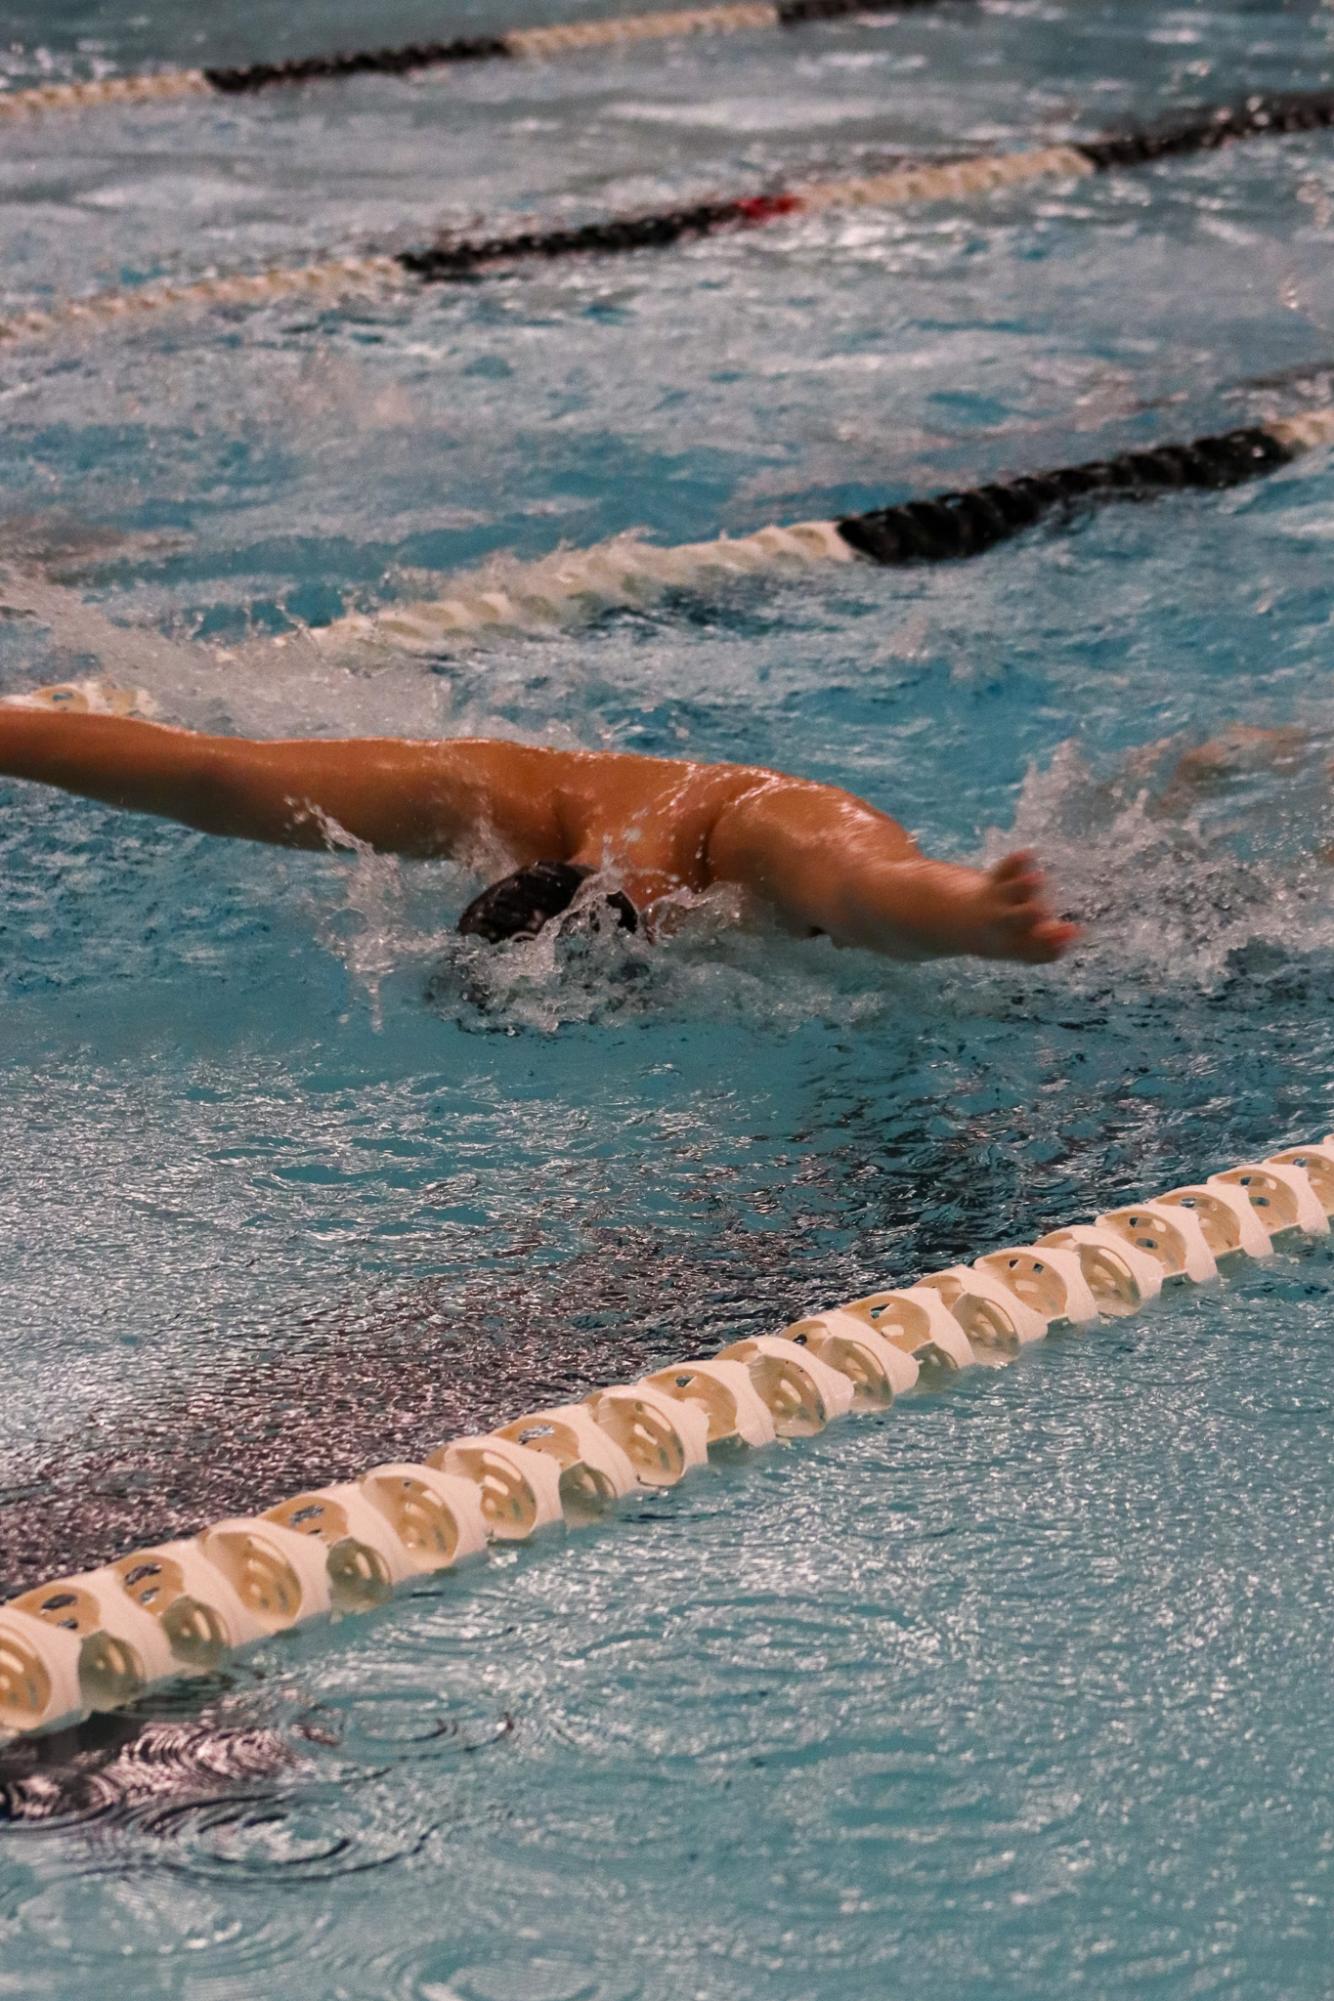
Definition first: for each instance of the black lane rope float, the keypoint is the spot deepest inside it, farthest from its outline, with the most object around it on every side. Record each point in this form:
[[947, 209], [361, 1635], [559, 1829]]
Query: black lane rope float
[[947, 527], [449, 260], [413, 57]]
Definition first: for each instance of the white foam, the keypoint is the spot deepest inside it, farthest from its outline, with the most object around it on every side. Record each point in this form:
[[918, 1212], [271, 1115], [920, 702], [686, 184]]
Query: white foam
[[1176, 885]]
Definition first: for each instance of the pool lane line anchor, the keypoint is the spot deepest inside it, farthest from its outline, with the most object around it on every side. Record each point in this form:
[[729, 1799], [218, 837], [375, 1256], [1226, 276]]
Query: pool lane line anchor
[[98, 1640], [946, 527], [412, 58], [448, 260]]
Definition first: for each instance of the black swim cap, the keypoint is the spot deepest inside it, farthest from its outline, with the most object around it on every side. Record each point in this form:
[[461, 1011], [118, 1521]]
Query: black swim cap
[[519, 905]]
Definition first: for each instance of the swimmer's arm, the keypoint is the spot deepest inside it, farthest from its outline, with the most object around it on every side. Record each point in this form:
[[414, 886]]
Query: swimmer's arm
[[419, 799], [828, 862]]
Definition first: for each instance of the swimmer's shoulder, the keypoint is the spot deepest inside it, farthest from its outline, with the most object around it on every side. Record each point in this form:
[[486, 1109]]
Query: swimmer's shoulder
[[696, 781]]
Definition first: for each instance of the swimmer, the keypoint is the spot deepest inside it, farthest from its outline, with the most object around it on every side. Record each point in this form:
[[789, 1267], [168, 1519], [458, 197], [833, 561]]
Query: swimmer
[[816, 858]]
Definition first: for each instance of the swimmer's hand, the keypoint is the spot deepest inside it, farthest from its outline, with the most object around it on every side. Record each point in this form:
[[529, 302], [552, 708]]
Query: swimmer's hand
[[1012, 917], [91, 697], [1239, 749], [828, 862]]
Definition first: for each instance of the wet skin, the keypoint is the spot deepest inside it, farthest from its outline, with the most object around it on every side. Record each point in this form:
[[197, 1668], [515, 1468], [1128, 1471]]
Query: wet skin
[[817, 857]]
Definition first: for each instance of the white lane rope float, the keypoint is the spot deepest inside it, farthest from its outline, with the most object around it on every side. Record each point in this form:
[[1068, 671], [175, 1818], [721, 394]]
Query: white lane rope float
[[947, 527], [411, 58], [95, 1641], [449, 260]]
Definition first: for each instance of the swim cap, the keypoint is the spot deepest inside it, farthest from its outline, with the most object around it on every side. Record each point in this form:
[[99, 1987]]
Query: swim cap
[[519, 905]]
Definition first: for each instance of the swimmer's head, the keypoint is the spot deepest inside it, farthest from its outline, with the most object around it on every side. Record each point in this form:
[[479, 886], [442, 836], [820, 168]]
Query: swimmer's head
[[520, 905]]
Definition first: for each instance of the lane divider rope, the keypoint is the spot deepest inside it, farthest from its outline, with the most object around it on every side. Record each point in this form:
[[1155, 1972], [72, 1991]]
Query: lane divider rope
[[100, 1639], [411, 58], [947, 527], [449, 260]]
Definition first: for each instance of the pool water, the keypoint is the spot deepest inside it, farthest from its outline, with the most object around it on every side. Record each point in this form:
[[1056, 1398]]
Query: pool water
[[1019, 1691]]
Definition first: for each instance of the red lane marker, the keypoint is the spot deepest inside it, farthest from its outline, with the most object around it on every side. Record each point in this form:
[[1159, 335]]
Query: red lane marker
[[764, 208]]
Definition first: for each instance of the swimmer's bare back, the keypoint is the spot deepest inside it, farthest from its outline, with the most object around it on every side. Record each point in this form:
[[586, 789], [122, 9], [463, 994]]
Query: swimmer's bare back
[[821, 859]]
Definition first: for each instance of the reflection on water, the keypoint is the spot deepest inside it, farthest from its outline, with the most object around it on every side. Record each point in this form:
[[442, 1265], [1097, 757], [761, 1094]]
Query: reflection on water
[[121, 1765]]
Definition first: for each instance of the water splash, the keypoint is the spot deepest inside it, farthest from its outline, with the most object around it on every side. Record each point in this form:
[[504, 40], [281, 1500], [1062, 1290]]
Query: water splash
[[1174, 878], [376, 927], [123, 655], [259, 685]]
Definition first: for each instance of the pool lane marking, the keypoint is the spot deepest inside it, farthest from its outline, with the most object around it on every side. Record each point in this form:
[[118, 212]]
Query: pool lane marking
[[410, 59], [449, 260], [100, 1639], [946, 527]]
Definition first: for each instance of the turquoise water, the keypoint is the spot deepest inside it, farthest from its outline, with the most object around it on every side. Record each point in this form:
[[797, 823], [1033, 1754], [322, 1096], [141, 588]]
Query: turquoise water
[[1017, 1692]]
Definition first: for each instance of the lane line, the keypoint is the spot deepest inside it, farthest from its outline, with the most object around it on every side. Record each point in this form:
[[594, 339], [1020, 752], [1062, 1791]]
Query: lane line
[[453, 259], [946, 527], [95, 1641], [412, 58]]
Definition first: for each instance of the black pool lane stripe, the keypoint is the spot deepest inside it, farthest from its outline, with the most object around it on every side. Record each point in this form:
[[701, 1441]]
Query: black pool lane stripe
[[800, 13], [1255, 118], [947, 526], [901, 187], [655, 230], [953, 526], [363, 62]]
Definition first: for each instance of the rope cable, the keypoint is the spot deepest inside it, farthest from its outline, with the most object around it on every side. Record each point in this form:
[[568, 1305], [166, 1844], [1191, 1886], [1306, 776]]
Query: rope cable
[[98, 1640], [450, 259], [945, 527], [621, 31]]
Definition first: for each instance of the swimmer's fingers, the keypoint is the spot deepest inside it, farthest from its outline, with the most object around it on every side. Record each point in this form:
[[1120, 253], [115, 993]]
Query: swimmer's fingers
[[1051, 939], [1023, 924], [1018, 880], [1035, 935]]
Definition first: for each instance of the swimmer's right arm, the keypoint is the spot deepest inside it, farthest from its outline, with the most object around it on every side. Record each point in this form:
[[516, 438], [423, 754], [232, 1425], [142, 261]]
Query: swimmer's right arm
[[828, 862], [419, 799]]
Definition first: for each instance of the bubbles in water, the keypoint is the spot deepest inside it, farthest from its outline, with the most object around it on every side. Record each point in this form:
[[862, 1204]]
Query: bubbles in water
[[378, 926]]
